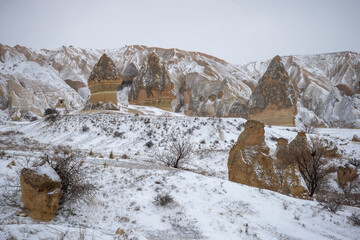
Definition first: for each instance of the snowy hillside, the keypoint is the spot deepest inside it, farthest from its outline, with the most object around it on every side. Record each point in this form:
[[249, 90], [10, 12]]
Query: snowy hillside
[[328, 85], [205, 204]]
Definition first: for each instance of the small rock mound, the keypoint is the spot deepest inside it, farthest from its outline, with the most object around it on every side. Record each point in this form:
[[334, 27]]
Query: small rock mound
[[40, 192]]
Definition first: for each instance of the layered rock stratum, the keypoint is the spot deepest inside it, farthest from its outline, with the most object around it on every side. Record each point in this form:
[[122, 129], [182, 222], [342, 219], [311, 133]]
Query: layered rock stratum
[[327, 86], [104, 80]]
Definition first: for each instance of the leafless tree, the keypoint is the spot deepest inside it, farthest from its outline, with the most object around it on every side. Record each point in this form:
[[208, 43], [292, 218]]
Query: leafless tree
[[309, 128], [312, 163], [176, 152], [75, 182]]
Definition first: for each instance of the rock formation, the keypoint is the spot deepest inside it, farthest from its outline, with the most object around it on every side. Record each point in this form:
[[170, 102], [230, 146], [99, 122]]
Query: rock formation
[[249, 161], [273, 101], [40, 192], [104, 80], [289, 176], [346, 175], [152, 86]]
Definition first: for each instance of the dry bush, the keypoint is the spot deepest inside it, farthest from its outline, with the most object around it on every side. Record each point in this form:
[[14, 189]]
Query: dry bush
[[355, 162], [163, 199], [74, 180], [51, 115], [312, 164], [85, 128], [331, 201], [111, 155], [175, 153], [149, 144], [355, 219], [309, 128]]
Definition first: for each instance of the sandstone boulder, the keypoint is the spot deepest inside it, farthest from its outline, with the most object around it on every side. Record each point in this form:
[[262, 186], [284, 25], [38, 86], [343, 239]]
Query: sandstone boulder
[[273, 101], [249, 161], [40, 192]]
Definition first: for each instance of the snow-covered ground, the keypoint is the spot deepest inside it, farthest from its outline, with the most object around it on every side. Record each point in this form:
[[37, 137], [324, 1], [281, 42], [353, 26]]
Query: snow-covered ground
[[206, 205]]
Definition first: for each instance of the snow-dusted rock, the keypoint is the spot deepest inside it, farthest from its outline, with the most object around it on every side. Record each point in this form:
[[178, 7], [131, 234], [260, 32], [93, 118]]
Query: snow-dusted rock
[[40, 192], [273, 101]]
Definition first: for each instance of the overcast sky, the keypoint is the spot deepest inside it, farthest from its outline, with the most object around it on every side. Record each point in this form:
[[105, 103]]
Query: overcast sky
[[234, 30]]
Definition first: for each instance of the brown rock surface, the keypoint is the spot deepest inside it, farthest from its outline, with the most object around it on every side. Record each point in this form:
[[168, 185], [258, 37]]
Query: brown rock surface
[[249, 161], [289, 176], [152, 86], [273, 101], [40, 194], [103, 81], [346, 174]]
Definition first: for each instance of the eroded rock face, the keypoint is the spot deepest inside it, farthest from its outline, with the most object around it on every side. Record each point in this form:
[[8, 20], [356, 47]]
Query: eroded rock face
[[103, 81], [273, 101], [40, 192], [249, 161], [346, 174], [289, 176], [152, 86]]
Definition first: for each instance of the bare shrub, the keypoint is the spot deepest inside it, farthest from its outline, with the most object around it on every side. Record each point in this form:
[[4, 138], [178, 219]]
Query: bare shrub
[[355, 162], [85, 128], [111, 155], [312, 163], [51, 115], [74, 180], [2, 154], [163, 199], [118, 134], [309, 128], [149, 144], [331, 201], [176, 152], [10, 192], [355, 219]]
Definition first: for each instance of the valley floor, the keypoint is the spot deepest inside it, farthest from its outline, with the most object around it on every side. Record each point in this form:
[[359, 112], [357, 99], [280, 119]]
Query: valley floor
[[206, 205]]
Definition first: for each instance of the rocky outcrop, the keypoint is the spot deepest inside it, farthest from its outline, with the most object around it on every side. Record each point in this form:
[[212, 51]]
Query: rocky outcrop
[[299, 143], [346, 175], [287, 171], [273, 101], [249, 161], [40, 192], [152, 86], [104, 80]]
